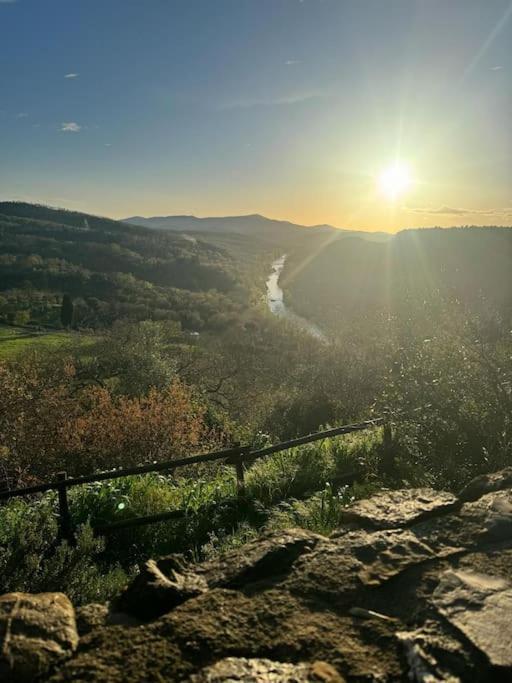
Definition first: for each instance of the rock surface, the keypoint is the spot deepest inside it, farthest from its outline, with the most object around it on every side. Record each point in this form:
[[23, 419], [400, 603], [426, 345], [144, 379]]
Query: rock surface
[[480, 606], [94, 615], [160, 586], [415, 586], [487, 483], [37, 631], [395, 509], [234, 669]]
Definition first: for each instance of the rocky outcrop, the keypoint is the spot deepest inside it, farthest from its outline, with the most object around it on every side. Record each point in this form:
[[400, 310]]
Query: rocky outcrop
[[414, 586]]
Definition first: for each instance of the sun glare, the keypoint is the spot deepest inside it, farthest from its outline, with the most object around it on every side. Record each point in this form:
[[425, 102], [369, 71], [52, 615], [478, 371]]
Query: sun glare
[[395, 180]]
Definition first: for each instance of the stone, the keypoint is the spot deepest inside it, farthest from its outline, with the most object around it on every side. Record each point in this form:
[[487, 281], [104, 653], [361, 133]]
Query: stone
[[276, 625], [166, 583], [395, 509], [159, 588], [37, 631], [90, 616], [480, 607], [422, 665], [339, 569], [270, 556], [223, 623], [435, 654], [485, 521], [94, 615], [486, 483], [496, 560], [233, 669]]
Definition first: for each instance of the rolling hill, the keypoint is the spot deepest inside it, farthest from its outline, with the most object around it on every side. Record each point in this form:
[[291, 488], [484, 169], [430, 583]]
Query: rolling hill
[[414, 273], [112, 270]]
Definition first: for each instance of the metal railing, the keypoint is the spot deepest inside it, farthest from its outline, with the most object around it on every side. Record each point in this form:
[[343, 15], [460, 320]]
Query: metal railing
[[238, 456]]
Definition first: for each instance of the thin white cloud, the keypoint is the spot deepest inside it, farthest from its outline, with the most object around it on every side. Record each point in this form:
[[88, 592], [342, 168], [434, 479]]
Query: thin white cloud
[[22, 115], [70, 127], [458, 211], [496, 68], [275, 101], [71, 75], [290, 62], [108, 144], [8, 2]]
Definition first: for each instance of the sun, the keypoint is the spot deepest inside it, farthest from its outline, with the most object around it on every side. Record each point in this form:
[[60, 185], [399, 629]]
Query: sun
[[395, 180]]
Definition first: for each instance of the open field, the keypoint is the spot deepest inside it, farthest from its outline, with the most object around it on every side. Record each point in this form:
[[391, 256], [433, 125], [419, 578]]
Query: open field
[[14, 341]]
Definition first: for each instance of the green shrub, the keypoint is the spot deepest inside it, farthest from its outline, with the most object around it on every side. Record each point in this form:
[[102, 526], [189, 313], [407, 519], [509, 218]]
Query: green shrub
[[32, 560], [452, 401]]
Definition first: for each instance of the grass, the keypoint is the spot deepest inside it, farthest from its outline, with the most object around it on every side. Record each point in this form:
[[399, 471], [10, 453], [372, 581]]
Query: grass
[[8, 331], [295, 488], [15, 341], [11, 344]]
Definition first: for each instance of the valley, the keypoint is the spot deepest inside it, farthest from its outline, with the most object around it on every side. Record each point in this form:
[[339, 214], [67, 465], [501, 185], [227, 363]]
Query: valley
[[255, 341], [161, 344]]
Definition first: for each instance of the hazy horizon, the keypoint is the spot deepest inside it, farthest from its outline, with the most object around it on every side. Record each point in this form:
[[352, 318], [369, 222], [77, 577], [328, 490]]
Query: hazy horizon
[[363, 115], [433, 225]]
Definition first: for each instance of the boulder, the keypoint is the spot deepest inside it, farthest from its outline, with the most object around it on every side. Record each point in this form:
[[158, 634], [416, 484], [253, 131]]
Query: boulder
[[395, 509], [487, 483], [480, 606], [37, 632], [276, 625]]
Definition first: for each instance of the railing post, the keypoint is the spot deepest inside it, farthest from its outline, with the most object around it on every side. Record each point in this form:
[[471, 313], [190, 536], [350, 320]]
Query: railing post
[[388, 452], [65, 527], [240, 481], [238, 461], [387, 436]]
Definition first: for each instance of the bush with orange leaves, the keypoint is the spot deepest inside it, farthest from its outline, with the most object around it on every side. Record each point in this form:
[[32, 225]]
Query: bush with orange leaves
[[48, 422]]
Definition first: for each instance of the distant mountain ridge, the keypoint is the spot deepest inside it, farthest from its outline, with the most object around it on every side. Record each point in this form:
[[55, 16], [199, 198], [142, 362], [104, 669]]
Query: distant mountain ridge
[[252, 224]]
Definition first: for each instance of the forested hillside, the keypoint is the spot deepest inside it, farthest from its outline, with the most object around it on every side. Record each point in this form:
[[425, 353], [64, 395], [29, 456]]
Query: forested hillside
[[112, 270], [418, 275]]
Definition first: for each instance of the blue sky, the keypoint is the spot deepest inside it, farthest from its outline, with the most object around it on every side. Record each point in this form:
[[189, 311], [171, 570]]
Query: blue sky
[[284, 107]]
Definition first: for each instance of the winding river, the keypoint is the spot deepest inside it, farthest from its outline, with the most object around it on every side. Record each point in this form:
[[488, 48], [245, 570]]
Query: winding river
[[275, 302]]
